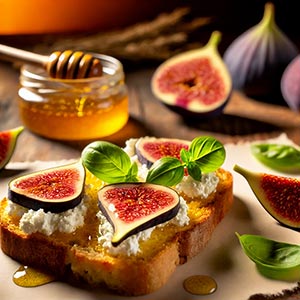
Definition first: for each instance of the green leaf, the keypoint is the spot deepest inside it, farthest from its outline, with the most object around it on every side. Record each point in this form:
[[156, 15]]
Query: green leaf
[[112, 165], [208, 153], [273, 259], [108, 162], [132, 173], [279, 157], [194, 171], [166, 171], [185, 155]]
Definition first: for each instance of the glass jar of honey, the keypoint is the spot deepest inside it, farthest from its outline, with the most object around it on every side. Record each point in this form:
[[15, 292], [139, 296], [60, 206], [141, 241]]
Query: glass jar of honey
[[77, 109]]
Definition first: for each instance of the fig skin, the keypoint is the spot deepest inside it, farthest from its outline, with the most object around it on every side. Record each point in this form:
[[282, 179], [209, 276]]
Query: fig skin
[[257, 58], [124, 229], [8, 141], [279, 195], [168, 146], [290, 87], [33, 190], [195, 83]]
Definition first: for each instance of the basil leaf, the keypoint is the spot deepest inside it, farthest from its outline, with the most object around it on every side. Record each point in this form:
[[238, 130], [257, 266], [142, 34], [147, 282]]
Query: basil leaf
[[273, 259], [166, 171], [208, 153], [194, 171], [108, 162], [185, 155], [279, 157], [132, 173]]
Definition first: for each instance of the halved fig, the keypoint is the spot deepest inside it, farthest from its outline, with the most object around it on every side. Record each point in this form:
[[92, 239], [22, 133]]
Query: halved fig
[[56, 189], [194, 83], [133, 207], [279, 195], [150, 149], [8, 140]]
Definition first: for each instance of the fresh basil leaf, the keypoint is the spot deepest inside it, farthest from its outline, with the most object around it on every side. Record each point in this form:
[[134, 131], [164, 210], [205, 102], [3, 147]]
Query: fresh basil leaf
[[132, 173], [284, 158], [194, 171], [208, 153], [185, 156], [273, 259], [166, 171], [108, 162]]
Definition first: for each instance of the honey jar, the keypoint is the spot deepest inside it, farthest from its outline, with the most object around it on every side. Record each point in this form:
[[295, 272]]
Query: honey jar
[[76, 109]]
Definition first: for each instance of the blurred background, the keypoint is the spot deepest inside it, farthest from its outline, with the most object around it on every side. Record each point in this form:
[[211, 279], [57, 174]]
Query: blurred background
[[142, 34], [33, 21]]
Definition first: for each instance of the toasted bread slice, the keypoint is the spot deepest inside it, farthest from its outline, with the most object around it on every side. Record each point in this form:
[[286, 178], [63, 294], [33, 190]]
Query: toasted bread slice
[[79, 255]]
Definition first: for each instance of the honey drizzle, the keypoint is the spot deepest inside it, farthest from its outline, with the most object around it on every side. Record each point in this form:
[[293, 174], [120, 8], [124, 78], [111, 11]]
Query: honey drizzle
[[29, 277], [200, 285]]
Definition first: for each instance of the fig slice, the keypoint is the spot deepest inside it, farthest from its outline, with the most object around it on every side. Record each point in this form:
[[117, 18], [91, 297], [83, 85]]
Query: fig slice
[[8, 141], [279, 195], [133, 207], [194, 83], [56, 189], [150, 149]]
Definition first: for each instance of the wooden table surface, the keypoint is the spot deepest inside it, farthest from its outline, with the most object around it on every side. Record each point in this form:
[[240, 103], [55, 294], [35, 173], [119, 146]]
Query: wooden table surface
[[243, 119]]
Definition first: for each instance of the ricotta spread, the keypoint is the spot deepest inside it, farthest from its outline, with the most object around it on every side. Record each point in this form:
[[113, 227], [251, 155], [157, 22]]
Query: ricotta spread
[[46, 222]]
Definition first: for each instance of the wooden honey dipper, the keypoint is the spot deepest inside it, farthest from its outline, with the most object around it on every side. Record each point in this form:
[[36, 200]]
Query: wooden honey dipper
[[64, 65]]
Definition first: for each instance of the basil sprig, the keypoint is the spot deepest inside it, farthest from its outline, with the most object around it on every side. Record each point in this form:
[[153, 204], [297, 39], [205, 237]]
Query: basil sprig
[[283, 158], [273, 259], [204, 155], [111, 164]]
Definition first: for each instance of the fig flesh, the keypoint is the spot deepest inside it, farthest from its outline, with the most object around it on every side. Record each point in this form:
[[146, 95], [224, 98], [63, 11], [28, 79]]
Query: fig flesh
[[279, 195], [290, 87], [151, 149], [132, 207], [194, 83], [55, 189], [8, 141], [257, 58]]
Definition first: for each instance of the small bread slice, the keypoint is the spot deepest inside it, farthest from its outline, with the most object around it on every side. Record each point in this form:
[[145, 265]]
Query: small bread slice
[[79, 256]]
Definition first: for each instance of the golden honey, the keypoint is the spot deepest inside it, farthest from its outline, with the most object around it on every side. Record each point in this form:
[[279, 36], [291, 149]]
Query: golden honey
[[200, 285], [78, 109], [29, 277]]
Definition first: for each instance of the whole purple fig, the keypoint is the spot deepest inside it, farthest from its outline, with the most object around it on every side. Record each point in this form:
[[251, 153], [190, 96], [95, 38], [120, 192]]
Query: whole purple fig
[[258, 57], [290, 84]]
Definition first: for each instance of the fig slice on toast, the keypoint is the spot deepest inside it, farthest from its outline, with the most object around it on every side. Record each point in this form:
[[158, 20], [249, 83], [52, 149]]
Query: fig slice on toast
[[133, 207], [150, 149], [56, 189]]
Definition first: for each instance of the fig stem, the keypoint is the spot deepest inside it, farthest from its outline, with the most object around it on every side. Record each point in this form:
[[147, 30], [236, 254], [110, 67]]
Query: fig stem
[[214, 40], [245, 173], [268, 19], [18, 130]]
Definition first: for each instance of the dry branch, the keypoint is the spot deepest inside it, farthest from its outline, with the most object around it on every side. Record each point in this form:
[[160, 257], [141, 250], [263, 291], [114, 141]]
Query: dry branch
[[157, 39]]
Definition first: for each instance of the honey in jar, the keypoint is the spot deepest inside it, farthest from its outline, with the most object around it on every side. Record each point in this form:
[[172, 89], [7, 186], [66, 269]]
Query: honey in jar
[[77, 109]]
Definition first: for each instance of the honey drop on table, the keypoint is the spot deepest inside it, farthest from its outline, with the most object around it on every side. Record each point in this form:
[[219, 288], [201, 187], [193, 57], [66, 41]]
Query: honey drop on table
[[29, 277], [200, 285]]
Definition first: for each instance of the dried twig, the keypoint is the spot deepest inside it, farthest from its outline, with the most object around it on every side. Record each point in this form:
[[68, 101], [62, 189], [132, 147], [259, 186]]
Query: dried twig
[[157, 39], [293, 294]]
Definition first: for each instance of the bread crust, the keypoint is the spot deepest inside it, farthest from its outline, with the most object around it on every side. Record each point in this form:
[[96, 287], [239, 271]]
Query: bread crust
[[126, 275]]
